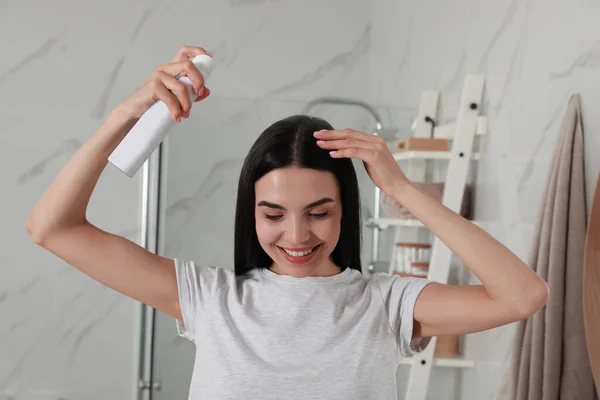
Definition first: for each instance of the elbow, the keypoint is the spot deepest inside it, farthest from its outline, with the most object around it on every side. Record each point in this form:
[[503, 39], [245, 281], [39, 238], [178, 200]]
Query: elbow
[[41, 231], [29, 226], [535, 299], [33, 231]]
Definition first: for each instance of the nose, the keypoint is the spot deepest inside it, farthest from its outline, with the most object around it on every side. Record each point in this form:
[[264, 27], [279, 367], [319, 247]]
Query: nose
[[298, 231]]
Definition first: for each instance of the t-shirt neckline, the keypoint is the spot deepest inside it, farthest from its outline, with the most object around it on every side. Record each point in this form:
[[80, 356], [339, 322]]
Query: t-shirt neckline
[[308, 279]]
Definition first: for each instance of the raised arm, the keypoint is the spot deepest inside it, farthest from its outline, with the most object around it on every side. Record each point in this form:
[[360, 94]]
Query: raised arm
[[510, 290], [58, 222]]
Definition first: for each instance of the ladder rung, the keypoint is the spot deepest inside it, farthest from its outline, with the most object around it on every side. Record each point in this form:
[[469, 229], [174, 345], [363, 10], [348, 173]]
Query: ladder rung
[[427, 155], [449, 130], [384, 223], [448, 362]]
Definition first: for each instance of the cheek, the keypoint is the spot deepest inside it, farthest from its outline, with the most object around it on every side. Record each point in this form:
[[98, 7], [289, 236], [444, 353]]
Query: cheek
[[267, 232], [328, 230]]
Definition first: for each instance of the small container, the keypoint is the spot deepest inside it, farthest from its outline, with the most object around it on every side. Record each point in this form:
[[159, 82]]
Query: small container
[[408, 253], [420, 268]]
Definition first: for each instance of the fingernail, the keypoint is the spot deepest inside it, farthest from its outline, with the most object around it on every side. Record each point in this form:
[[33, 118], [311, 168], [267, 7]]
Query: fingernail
[[320, 141], [209, 53], [331, 153], [201, 91], [317, 133]]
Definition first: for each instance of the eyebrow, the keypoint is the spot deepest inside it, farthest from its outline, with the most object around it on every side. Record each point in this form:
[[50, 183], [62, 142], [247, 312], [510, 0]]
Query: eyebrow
[[324, 200]]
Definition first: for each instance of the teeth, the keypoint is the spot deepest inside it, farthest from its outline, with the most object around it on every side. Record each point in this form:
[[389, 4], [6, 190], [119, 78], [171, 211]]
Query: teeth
[[298, 253]]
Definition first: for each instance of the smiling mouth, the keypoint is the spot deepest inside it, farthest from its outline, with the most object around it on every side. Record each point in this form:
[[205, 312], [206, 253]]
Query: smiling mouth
[[299, 256]]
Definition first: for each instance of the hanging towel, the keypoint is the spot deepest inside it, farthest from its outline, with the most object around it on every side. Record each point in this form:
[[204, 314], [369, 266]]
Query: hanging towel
[[550, 359]]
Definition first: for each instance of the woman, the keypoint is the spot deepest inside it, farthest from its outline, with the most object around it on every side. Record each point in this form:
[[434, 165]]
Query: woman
[[296, 319]]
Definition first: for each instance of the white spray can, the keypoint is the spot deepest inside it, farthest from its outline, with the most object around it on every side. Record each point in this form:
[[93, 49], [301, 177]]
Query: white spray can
[[151, 129]]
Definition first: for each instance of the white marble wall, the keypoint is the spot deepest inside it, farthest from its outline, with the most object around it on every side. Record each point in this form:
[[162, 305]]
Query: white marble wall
[[62, 335], [65, 64], [534, 56]]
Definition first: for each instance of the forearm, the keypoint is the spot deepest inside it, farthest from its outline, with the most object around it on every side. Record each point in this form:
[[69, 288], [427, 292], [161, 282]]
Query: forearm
[[65, 202], [504, 275]]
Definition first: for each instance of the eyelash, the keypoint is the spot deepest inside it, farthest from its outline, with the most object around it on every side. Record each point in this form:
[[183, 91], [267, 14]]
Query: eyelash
[[315, 216]]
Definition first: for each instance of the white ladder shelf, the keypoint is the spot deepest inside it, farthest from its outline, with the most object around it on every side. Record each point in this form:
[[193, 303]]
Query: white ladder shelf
[[468, 124]]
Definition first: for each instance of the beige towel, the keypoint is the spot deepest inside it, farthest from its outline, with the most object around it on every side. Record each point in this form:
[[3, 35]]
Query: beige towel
[[550, 358]]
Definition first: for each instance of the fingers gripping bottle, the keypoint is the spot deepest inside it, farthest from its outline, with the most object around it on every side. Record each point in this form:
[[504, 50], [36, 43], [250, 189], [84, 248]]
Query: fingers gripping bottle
[[154, 125]]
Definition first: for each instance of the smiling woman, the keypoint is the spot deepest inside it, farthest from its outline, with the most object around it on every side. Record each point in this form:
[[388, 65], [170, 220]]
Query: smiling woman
[[296, 318], [297, 311]]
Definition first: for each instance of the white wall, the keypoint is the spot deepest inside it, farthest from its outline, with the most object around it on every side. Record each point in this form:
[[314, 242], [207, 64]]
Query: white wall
[[61, 334]]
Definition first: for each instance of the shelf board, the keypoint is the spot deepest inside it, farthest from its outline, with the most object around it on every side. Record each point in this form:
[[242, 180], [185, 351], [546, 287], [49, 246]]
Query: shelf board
[[427, 155], [448, 362], [384, 223]]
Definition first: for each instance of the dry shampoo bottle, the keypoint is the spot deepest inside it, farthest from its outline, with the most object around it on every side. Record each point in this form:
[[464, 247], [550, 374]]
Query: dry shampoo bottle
[[150, 130]]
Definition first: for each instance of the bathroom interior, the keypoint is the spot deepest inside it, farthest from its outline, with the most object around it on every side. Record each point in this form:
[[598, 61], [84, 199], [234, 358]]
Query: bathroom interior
[[377, 66]]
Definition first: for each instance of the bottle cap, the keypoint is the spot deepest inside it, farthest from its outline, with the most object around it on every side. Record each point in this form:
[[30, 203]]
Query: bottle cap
[[204, 63]]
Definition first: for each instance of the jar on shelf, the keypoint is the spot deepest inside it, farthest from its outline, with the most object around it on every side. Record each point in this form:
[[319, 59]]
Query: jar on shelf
[[420, 269], [408, 253]]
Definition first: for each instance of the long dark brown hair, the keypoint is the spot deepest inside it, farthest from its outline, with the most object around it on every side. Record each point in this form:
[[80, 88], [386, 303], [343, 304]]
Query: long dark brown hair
[[290, 142]]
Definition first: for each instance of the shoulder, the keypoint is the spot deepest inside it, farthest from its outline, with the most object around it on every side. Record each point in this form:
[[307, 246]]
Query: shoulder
[[391, 285], [384, 281], [209, 279]]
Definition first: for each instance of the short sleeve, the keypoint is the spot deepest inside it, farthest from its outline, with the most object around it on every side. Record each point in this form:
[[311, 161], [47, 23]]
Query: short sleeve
[[399, 296], [196, 286]]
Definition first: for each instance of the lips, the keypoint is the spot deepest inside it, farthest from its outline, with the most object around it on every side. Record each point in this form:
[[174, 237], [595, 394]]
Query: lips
[[299, 255]]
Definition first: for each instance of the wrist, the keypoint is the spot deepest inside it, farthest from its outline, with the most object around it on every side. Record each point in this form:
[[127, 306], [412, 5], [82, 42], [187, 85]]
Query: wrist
[[400, 188], [124, 114], [115, 127]]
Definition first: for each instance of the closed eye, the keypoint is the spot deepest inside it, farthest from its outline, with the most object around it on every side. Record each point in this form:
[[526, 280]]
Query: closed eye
[[273, 217], [319, 215], [312, 215]]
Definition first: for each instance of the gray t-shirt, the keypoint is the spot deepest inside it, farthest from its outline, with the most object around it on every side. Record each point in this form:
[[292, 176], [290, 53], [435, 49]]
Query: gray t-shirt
[[268, 336]]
